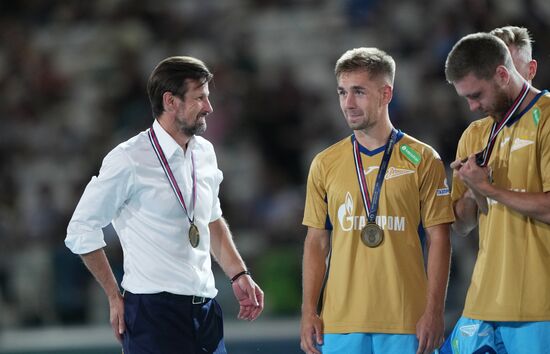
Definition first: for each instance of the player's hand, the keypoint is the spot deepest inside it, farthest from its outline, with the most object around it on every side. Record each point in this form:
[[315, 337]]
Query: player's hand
[[116, 315], [430, 332], [474, 176], [250, 298], [311, 333], [457, 164]]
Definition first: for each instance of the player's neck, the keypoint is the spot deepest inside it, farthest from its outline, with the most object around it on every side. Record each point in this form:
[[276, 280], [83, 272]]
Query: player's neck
[[374, 136], [533, 92], [516, 91]]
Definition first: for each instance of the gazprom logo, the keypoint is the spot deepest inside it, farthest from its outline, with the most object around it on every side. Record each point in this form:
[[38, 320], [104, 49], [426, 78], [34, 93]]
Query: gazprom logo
[[345, 213], [350, 222]]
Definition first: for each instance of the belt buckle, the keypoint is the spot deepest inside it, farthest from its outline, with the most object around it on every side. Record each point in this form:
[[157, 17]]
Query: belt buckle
[[197, 300]]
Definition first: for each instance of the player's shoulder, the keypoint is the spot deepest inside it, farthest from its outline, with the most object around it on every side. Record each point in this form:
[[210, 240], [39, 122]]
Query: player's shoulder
[[479, 124], [411, 147], [334, 151], [543, 103], [476, 130]]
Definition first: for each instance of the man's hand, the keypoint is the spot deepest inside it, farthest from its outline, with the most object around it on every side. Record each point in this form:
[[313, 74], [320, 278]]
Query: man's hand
[[472, 175], [311, 333], [475, 178], [116, 315], [430, 332], [250, 298]]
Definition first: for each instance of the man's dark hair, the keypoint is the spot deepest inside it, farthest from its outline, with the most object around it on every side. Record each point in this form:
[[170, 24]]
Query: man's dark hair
[[172, 75], [479, 54]]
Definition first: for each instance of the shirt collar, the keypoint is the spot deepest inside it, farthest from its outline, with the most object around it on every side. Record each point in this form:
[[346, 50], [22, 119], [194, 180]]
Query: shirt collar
[[167, 143]]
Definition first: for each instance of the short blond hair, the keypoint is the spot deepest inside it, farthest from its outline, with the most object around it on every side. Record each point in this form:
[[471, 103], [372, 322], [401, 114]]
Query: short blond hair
[[518, 37], [372, 60]]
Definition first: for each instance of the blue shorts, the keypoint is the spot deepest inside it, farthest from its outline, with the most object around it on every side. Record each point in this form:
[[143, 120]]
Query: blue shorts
[[172, 324], [369, 343], [495, 337]]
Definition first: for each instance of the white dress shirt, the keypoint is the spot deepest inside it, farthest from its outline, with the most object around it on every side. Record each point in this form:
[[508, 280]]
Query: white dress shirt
[[133, 192]]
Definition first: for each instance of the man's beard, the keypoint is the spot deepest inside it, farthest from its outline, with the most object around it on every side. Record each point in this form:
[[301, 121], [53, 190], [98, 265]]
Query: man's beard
[[501, 106], [196, 128]]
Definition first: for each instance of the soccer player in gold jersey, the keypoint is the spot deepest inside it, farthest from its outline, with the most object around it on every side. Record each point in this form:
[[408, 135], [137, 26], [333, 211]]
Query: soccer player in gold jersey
[[519, 44], [502, 175], [376, 200]]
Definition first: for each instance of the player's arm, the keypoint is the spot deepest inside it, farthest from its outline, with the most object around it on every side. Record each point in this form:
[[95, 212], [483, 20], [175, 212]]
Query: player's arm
[[532, 204], [430, 328], [465, 210], [248, 293], [466, 207], [316, 249], [535, 205], [98, 265]]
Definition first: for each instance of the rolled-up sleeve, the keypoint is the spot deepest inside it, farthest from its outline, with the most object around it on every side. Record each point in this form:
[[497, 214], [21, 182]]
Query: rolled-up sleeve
[[103, 197], [216, 212]]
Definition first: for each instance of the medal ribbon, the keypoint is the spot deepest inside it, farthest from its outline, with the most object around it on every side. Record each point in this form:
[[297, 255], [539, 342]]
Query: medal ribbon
[[498, 126], [371, 206], [168, 171]]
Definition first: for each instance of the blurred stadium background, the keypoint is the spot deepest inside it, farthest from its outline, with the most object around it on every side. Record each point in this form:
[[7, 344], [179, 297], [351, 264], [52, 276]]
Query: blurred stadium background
[[72, 83]]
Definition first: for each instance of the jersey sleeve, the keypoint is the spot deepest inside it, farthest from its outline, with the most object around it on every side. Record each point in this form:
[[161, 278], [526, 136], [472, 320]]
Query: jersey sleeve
[[435, 200], [458, 187], [544, 148], [316, 206]]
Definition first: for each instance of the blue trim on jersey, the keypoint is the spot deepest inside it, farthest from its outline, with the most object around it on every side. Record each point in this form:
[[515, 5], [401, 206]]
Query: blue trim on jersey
[[368, 152], [422, 238], [421, 234], [531, 104], [328, 223]]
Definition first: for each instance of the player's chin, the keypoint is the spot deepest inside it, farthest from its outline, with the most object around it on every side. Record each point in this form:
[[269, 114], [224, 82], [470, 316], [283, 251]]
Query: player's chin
[[201, 128], [355, 125]]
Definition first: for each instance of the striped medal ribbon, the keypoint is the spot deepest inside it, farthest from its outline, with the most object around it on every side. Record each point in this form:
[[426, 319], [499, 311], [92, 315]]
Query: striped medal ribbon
[[194, 235], [482, 157], [372, 235]]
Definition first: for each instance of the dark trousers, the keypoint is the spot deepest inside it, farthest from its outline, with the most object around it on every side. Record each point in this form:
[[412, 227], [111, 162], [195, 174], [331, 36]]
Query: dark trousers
[[165, 323]]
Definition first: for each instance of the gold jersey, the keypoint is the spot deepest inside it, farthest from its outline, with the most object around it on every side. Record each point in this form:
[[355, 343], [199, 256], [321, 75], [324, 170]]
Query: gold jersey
[[380, 289], [511, 279]]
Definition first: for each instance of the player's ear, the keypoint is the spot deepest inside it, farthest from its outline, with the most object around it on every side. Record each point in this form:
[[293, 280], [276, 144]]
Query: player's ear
[[387, 94], [502, 75], [533, 65]]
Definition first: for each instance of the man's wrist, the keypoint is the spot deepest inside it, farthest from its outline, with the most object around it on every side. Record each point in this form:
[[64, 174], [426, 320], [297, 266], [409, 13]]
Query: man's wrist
[[309, 310], [240, 274]]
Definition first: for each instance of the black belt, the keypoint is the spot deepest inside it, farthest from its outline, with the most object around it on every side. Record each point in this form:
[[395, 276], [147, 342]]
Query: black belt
[[192, 299]]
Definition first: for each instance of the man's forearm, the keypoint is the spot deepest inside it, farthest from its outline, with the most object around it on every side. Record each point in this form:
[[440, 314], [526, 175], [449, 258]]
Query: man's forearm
[[532, 204], [465, 210], [439, 258], [314, 267], [223, 248], [98, 265]]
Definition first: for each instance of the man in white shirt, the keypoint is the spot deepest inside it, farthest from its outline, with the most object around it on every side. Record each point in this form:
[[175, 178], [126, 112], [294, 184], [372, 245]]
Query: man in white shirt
[[160, 191]]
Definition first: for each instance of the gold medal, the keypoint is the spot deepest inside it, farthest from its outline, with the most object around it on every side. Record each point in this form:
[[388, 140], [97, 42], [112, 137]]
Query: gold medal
[[194, 235], [372, 235]]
